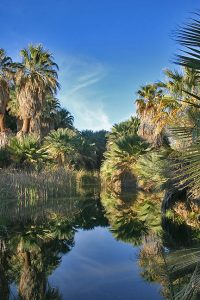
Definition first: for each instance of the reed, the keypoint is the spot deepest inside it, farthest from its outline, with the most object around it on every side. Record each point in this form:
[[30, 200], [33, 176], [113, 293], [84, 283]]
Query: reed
[[31, 186]]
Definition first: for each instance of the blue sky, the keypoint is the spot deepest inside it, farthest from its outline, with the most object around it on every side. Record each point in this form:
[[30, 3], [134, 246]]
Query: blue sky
[[105, 49]]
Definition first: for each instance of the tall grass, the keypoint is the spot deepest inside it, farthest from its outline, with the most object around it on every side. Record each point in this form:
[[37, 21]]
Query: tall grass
[[35, 195], [30, 186]]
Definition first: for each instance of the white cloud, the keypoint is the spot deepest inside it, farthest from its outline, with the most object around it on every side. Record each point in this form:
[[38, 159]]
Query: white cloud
[[81, 93]]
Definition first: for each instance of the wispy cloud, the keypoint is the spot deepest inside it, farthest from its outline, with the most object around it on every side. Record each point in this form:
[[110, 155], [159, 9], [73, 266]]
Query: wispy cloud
[[81, 93], [87, 80]]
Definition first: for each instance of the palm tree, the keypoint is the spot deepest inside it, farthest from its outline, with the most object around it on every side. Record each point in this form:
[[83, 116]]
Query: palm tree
[[26, 151], [148, 94], [98, 139], [59, 147], [189, 37], [152, 160], [187, 159], [147, 103], [64, 119], [5, 72], [121, 129], [183, 85], [49, 114], [35, 77], [85, 156], [160, 105], [120, 159], [174, 82]]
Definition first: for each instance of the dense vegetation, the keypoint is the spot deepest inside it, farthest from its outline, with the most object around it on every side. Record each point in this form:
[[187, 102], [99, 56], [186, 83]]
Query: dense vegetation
[[155, 153], [156, 150], [45, 131], [159, 149]]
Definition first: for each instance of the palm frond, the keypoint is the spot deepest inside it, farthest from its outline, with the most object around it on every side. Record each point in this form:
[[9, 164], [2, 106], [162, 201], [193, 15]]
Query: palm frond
[[189, 37], [186, 161]]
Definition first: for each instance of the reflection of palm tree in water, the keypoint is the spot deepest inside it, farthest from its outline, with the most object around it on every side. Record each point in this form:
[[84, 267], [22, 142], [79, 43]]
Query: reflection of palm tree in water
[[136, 219], [39, 252], [131, 215], [4, 285], [177, 271], [33, 283], [40, 249], [153, 264]]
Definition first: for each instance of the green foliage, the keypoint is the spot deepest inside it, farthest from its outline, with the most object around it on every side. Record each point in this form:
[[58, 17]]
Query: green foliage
[[58, 145], [123, 153], [63, 148], [68, 147], [189, 37], [129, 127], [131, 219], [98, 139], [26, 151], [124, 147], [186, 160], [64, 119], [148, 213], [84, 153], [151, 169], [4, 157]]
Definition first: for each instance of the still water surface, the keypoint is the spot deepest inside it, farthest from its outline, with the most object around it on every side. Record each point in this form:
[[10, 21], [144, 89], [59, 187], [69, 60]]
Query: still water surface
[[90, 245], [99, 267]]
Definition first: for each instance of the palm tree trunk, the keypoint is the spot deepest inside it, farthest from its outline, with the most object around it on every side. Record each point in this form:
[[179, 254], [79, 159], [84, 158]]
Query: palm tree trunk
[[19, 124], [35, 126], [26, 125], [27, 259], [2, 126]]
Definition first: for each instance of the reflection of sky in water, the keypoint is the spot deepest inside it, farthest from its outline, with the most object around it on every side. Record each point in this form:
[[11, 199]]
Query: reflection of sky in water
[[99, 267]]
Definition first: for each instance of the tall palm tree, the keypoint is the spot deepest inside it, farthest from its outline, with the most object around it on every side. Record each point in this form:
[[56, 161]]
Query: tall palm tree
[[5, 72], [35, 77], [49, 114], [150, 96], [183, 85], [181, 89], [188, 157]]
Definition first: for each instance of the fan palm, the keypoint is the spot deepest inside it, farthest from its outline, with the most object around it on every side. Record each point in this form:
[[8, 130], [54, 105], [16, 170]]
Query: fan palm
[[147, 103], [124, 128], [49, 113], [84, 155], [156, 161], [184, 264], [64, 119], [59, 147], [183, 85], [5, 72], [189, 37], [98, 139], [121, 156], [27, 150], [35, 77], [188, 158]]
